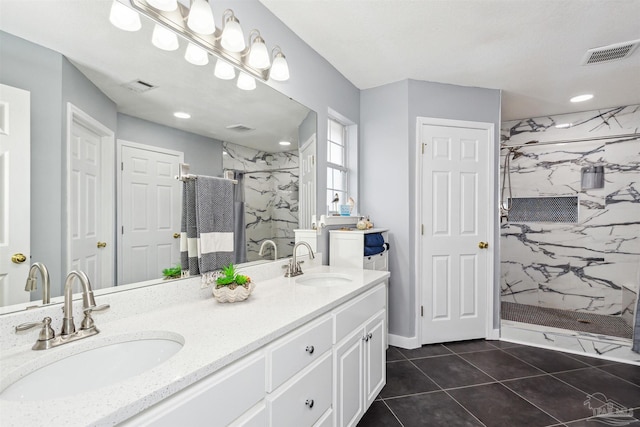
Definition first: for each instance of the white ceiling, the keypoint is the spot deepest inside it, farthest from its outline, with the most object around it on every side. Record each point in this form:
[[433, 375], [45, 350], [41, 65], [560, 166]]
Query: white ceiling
[[109, 57], [531, 49]]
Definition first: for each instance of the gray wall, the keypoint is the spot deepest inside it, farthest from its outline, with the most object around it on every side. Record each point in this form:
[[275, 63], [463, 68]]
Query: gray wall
[[388, 134], [39, 70], [203, 154]]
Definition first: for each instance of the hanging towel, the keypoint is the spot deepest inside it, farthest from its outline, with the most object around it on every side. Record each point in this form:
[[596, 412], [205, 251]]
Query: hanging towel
[[373, 240], [207, 225]]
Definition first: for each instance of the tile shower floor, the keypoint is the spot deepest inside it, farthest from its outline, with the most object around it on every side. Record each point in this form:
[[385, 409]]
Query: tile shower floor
[[496, 383]]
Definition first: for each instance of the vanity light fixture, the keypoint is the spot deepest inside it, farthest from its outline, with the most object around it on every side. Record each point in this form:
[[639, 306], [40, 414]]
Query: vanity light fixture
[[581, 98], [123, 17], [245, 81], [280, 69], [164, 39], [232, 35], [196, 55], [224, 70], [182, 115], [200, 17], [165, 5], [258, 53], [193, 21]]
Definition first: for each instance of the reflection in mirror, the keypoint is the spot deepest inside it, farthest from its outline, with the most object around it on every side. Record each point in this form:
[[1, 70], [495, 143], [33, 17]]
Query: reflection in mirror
[[105, 145]]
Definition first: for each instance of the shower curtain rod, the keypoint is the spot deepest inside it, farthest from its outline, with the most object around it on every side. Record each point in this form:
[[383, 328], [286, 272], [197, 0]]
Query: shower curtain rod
[[184, 175], [595, 138]]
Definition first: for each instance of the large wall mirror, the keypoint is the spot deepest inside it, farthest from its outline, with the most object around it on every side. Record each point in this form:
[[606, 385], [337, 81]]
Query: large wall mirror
[[105, 148]]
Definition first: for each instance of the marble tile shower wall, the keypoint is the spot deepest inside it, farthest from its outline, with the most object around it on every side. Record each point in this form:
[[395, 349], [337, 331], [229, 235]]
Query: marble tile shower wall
[[271, 197], [581, 266]]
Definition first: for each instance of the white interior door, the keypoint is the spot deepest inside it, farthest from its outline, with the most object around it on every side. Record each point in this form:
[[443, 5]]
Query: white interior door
[[150, 200], [455, 205], [307, 190], [15, 179], [90, 198]]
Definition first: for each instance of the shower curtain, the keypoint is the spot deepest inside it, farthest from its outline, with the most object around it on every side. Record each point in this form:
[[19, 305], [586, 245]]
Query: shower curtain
[[239, 226]]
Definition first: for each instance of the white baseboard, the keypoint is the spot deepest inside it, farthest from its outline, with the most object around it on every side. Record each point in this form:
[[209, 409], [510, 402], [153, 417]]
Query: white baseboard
[[403, 342], [494, 334]]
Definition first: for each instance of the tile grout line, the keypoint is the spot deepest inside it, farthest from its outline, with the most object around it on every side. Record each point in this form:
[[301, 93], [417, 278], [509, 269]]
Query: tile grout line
[[534, 405], [393, 413], [617, 376], [464, 407]]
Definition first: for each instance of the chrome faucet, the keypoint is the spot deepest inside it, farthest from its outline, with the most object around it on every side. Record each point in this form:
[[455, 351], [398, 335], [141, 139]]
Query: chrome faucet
[[275, 248], [293, 268], [32, 281], [47, 338]]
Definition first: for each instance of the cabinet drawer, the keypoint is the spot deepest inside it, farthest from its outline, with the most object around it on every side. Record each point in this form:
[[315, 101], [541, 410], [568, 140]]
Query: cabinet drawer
[[256, 417], [213, 401], [297, 350], [326, 420], [352, 315], [305, 398]]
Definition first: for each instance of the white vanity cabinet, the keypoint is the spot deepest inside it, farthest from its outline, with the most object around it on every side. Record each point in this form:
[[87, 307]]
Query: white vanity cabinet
[[346, 249], [359, 357], [325, 373], [216, 400]]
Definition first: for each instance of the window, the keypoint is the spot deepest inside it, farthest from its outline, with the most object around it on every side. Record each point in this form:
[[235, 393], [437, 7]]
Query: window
[[337, 166]]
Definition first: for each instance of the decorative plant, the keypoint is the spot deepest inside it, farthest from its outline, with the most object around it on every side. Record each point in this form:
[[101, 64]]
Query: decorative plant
[[172, 272], [231, 278]]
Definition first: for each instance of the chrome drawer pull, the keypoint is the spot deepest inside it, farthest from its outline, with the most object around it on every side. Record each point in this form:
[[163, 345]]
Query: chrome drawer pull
[[309, 403], [309, 349]]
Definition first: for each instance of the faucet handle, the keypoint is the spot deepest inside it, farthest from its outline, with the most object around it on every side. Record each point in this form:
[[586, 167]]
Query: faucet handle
[[100, 307], [87, 322], [46, 333]]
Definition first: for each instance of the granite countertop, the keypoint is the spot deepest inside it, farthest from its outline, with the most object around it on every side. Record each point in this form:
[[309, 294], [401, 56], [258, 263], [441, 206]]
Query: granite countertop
[[214, 335]]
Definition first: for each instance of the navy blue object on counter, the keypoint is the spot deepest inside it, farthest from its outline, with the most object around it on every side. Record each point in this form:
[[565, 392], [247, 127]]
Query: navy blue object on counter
[[374, 240], [373, 250]]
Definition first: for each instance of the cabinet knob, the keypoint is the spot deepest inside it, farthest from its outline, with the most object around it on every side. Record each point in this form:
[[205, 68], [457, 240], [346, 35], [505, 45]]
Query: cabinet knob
[[309, 403], [365, 338], [370, 336], [309, 349]]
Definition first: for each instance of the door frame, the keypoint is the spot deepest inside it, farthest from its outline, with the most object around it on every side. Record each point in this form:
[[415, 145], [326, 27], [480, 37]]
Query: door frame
[[304, 218], [107, 187], [120, 143], [491, 333]]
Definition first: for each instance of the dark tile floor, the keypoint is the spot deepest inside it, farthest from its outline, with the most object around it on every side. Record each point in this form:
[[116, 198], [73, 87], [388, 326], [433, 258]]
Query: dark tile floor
[[495, 383]]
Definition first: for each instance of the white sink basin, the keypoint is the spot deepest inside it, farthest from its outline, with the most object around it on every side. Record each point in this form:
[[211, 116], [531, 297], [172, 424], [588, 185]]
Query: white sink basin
[[324, 279], [91, 369]]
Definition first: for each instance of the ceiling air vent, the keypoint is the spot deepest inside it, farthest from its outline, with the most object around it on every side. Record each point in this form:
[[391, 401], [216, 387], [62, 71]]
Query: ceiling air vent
[[239, 128], [139, 86], [609, 53]]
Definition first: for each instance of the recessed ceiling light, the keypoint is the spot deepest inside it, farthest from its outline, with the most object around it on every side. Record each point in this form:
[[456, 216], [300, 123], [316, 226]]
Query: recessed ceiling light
[[182, 115], [581, 98], [564, 125], [284, 143]]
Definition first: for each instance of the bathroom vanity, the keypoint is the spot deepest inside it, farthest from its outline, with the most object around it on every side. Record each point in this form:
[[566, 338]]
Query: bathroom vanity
[[296, 353]]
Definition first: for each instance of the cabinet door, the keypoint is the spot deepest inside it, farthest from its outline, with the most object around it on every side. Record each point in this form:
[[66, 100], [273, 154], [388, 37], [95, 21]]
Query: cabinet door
[[375, 357], [349, 384]]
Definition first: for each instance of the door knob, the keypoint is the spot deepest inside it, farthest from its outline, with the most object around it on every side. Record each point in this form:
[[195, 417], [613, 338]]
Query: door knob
[[176, 235], [483, 245], [101, 244], [18, 258]]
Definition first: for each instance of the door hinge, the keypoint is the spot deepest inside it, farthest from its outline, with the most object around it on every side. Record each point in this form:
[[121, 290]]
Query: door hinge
[[423, 148], [121, 166], [421, 311], [122, 230], [422, 229]]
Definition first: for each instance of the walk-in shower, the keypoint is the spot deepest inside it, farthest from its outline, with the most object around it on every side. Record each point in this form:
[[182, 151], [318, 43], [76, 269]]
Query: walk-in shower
[[570, 224]]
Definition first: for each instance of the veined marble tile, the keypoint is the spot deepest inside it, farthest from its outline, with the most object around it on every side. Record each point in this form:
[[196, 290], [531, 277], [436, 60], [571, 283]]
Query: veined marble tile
[[605, 122], [583, 265], [271, 196]]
